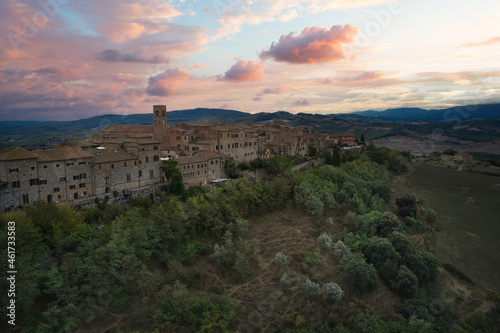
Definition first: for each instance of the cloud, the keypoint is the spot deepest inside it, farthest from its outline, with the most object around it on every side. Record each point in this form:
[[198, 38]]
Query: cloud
[[301, 102], [365, 76], [122, 32], [196, 66], [267, 91], [64, 70], [113, 55], [244, 71], [491, 41], [167, 83], [313, 45]]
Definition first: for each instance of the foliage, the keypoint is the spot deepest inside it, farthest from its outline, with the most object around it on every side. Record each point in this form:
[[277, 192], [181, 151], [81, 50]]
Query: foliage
[[391, 159], [281, 259], [314, 194], [232, 168], [407, 206], [199, 312], [355, 270], [279, 165], [333, 292], [311, 259], [285, 282], [258, 163], [174, 176], [340, 249], [311, 289], [325, 241]]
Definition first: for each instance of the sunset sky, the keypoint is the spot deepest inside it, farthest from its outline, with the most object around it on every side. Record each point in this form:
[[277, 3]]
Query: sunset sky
[[72, 59]]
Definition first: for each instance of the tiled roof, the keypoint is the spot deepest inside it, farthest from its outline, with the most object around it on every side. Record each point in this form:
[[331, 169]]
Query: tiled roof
[[60, 154], [16, 153]]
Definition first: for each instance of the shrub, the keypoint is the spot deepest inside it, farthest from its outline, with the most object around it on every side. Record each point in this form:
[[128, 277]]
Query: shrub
[[285, 282], [311, 289], [325, 241], [407, 206], [220, 254], [405, 283], [333, 291], [340, 249], [281, 259]]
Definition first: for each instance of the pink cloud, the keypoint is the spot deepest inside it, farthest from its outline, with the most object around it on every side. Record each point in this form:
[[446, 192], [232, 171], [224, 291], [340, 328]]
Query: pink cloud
[[244, 71], [167, 83], [64, 70], [196, 66], [314, 44], [491, 41], [301, 102]]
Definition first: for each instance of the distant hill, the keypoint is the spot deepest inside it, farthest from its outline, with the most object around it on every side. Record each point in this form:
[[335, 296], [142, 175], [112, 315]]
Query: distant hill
[[373, 124], [481, 111]]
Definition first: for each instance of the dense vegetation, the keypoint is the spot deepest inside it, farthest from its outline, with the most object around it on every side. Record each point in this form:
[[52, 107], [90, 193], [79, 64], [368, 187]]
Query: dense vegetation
[[79, 268]]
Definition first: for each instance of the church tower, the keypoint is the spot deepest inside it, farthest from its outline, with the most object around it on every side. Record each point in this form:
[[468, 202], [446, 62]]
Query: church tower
[[160, 124]]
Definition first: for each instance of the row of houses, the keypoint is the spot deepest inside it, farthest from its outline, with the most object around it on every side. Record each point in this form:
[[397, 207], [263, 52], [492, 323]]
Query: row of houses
[[121, 158]]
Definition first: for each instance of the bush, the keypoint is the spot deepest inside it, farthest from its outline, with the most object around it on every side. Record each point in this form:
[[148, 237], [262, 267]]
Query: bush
[[325, 241], [407, 206], [281, 259], [311, 289], [333, 292], [285, 282]]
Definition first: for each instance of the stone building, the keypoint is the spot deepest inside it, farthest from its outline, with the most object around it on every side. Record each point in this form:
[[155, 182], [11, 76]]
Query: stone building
[[128, 158]]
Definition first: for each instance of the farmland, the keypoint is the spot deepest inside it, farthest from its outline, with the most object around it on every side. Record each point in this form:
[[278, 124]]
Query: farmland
[[468, 206]]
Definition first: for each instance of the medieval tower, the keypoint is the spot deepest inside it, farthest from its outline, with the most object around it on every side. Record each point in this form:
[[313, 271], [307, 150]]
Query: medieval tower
[[160, 124]]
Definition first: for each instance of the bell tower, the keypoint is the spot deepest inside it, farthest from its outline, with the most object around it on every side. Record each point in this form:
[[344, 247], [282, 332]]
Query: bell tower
[[160, 132]]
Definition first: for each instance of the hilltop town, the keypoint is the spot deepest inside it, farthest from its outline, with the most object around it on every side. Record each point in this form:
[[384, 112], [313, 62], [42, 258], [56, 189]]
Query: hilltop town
[[127, 159]]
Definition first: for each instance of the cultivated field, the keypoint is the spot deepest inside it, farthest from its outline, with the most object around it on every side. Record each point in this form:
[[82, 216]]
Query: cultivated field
[[468, 230]]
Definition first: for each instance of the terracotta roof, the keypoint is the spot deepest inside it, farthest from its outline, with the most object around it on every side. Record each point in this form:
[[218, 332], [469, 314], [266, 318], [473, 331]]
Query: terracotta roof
[[61, 154], [129, 128], [16, 153]]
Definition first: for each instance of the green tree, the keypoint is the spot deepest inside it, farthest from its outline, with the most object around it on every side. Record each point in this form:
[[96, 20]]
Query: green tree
[[355, 270], [232, 169], [333, 292], [279, 165]]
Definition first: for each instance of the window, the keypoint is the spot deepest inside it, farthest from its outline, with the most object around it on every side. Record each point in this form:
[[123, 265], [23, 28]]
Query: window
[[106, 180], [72, 187], [75, 195], [15, 184], [156, 158], [112, 166], [221, 147], [81, 185], [135, 162], [147, 159], [58, 165], [70, 164], [62, 179], [151, 174], [211, 162], [59, 196], [124, 164], [221, 135], [25, 199], [128, 177], [99, 167], [77, 177], [81, 163], [33, 182], [228, 146], [186, 148], [56, 189], [107, 190], [14, 170], [43, 181], [32, 168], [216, 162], [178, 137], [155, 148], [140, 173]]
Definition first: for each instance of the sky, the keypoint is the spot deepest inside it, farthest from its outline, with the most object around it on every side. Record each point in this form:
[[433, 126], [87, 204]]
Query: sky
[[73, 59]]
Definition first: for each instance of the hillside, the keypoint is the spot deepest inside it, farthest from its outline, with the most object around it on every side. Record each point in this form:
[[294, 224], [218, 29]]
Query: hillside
[[458, 113], [326, 249]]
